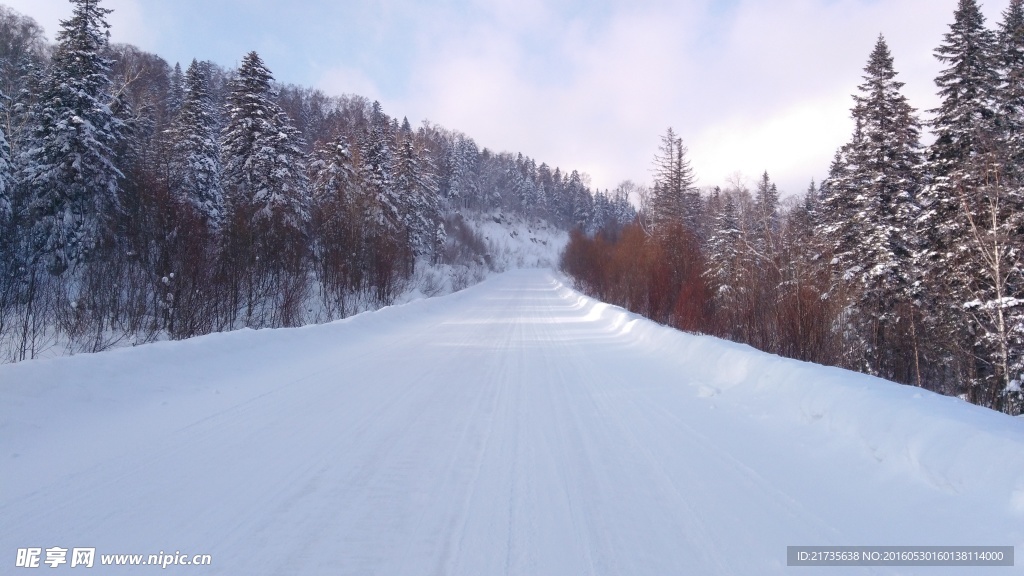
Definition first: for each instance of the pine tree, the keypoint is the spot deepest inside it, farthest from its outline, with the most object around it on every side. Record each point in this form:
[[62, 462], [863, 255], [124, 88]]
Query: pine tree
[[963, 127], [967, 87], [6, 172], [989, 271], [196, 168], [333, 172], [1010, 91], [972, 208], [869, 214], [176, 93], [580, 200], [22, 57], [70, 168], [673, 180], [724, 249], [376, 173], [545, 188], [766, 213], [416, 191], [263, 163]]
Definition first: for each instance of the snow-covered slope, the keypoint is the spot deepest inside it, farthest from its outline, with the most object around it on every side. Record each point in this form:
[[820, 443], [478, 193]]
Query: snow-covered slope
[[516, 427]]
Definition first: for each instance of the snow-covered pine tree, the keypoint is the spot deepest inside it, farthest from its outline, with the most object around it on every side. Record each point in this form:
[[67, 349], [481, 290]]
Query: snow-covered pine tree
[[891, 169], [332, 170], [377, 175], [6, 171], [963, 125], [416, 191], [70, 168], [766, 214], [22, 56], [1009, 95], [972, 208], [724, 260], [967, 86], [336, 228], [264, 168], [868, 213], [580, 199], [545, 186], [176, 92], [992, 211], [195, 168]]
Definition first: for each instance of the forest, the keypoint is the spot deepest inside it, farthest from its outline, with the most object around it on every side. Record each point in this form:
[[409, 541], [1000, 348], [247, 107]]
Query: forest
[[142, 201], [904, 263]]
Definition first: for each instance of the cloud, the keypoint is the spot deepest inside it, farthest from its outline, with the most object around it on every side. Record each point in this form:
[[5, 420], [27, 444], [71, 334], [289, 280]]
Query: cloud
[[127, 22], [752, 86], [344, 80]]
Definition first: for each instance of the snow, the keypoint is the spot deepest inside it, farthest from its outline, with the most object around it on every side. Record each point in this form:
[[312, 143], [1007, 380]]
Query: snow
[[516, 427]]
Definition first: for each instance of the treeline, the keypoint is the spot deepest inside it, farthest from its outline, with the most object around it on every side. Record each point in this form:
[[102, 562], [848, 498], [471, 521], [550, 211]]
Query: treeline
[[905, 263], [140, 201]]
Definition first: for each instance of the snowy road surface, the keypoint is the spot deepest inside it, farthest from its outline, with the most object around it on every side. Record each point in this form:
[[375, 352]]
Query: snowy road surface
[[514, 428]]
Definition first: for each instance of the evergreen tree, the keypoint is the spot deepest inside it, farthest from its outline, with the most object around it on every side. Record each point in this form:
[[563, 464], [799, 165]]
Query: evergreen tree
[[22, 58], [724, 249], [963, 127], [967, 88], [196, 166], [871, 211], [70, 167], [376, 172], [766, 212], [6, 173], [263, 163], [333, 172], [673, 180], [1010, 92], [972, 209], [416, 191], [176, 93], [580, 200]]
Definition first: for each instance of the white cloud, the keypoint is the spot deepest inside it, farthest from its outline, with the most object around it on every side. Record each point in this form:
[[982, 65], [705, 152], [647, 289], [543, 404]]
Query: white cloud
[[344, 80], [764, 86], [127, 22]]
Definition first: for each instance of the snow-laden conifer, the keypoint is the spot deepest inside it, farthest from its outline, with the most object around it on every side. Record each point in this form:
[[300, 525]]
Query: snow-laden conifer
[[69, 167], [195, 168], [264, 169]]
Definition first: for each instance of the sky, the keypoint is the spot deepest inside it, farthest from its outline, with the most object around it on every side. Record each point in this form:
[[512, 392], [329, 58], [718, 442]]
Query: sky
[[750, 85]]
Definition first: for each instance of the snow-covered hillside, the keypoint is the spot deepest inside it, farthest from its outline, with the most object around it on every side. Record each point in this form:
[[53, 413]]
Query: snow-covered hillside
[[486, 243], [516, 427]]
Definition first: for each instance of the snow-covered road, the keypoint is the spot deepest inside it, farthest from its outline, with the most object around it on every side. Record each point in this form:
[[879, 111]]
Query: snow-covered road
[[513, 428]]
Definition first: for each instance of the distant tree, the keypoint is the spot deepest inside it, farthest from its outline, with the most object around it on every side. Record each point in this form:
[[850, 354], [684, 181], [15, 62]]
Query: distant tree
[[580, 199], [22, 59], [674, 181], [766, 213], [177, 90]]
